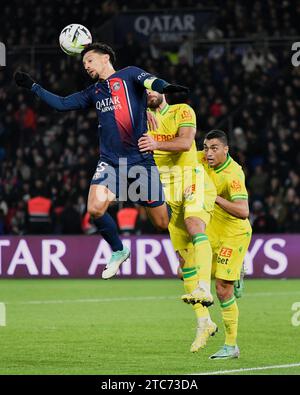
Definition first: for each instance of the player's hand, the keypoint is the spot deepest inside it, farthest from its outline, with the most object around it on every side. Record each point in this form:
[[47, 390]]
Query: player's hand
[[175, 88], [147, 143], [152, 122], [23, 80]]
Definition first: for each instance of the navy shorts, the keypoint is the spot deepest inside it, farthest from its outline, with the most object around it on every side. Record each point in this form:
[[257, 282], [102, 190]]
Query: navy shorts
[[139, 182]]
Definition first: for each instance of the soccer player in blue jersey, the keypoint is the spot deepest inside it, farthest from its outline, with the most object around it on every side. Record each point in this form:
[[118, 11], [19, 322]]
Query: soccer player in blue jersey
[[120, 100]]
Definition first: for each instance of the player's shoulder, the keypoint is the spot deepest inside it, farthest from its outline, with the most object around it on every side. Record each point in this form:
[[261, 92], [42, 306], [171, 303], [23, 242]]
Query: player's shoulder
[[184, 113], [133, 70], [234, 170], [181, 107]]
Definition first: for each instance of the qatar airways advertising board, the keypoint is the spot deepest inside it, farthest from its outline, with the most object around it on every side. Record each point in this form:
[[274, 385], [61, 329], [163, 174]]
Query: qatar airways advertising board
[[152, 256]]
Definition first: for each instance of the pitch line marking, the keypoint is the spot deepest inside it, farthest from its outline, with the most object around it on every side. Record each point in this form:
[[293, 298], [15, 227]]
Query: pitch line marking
[[99, 300], [247, 369], [137, 298]]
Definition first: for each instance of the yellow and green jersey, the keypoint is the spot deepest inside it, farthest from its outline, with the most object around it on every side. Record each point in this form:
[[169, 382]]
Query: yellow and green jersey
[[170, 119], [229, 180]]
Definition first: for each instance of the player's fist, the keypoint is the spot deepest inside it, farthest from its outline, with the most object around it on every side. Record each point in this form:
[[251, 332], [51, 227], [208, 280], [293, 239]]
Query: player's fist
[[23, 80], [171, 88]]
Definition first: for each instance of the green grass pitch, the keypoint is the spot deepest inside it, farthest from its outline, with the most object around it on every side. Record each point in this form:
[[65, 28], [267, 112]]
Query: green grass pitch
[[139, 327]]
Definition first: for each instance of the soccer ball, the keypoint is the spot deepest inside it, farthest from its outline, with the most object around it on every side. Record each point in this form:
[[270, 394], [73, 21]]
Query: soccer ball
[[73, 38]]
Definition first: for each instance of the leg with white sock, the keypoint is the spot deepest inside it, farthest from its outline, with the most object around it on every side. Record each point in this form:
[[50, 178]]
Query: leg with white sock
[[98, 202]]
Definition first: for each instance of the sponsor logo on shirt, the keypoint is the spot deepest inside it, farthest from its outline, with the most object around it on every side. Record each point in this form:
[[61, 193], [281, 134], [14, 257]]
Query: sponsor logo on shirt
[[109, 103], [163, 137], [226, 252]]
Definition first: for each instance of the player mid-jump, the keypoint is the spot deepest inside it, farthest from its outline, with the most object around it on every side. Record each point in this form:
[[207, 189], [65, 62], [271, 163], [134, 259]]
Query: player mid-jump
[[120, 100]]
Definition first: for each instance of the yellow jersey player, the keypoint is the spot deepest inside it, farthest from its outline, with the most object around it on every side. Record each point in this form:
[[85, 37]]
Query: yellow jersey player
[[229, 231], [184, 180]]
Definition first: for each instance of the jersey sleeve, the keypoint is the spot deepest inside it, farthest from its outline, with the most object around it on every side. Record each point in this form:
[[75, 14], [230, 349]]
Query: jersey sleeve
[[78, 100], [139, 76], [236, 186], [185, 116]]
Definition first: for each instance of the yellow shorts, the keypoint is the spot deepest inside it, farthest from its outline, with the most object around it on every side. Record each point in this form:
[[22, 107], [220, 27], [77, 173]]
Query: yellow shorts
[[228, 253], [193, 197]]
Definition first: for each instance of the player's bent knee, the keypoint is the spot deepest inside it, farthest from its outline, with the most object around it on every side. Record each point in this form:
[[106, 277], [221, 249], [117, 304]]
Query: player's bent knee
[[161, 223], [224, 290], [164, 223], [96, 210]]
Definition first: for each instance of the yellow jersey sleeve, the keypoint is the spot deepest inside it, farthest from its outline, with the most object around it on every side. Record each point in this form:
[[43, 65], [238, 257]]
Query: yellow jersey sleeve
[[185, 116], [236, 186]]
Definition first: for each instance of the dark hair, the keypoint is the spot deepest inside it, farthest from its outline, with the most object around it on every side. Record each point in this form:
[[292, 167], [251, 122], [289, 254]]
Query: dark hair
[[100, 48], [217, 134]]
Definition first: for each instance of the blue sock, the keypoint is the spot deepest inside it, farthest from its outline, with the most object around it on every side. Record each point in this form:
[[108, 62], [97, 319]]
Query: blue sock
[[109, 231]]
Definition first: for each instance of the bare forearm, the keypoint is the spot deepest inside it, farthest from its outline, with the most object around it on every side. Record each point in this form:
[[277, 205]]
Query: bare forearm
[[177, 144], [238, 209]]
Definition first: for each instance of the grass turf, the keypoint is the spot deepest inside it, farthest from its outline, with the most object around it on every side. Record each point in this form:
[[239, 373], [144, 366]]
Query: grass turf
[[138, 327]]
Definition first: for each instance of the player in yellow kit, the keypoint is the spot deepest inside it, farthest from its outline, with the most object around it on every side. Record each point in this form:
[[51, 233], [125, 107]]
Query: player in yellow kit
[[184, 179], [229, 231]]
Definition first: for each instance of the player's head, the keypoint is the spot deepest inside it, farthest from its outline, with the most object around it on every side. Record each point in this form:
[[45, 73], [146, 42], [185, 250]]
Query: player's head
[[97, 58], [215, 147], [154, 99]]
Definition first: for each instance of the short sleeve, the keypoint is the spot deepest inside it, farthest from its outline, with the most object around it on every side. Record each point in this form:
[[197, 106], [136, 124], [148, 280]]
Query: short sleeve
[[236, 186], [186, 116]]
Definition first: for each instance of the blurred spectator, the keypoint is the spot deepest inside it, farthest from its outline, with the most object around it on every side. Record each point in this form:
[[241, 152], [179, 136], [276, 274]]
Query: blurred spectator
[[127, 219], [2, 222], [258, 182], [70, 219], [264, 223], [39, 210], [249, 91]]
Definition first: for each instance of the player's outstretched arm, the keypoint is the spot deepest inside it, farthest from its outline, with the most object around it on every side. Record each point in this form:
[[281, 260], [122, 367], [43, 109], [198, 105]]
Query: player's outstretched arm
[[162, 86], [72, 102]]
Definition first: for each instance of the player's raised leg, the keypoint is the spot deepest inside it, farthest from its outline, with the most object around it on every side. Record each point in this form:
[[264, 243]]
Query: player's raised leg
[[202, 258], [98, 201], [199, 193]]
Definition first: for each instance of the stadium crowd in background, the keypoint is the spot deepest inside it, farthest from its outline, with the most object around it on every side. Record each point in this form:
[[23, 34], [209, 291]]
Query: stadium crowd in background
[[251, 91]]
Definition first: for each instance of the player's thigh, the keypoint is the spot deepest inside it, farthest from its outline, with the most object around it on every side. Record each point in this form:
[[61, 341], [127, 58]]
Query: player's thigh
[[199, 198], [145, 187], [230, 258], [179, 236], [99, 199], [215, 243]]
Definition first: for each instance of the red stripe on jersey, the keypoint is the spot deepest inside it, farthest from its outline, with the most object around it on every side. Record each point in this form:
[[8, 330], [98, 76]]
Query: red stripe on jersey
[[122, 109]]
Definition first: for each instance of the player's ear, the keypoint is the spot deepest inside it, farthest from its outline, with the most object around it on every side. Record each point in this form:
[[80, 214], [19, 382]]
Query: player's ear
[[226, 149]]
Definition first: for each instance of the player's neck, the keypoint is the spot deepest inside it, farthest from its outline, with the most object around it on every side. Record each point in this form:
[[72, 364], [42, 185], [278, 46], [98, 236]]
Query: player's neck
[[162, 105], [107, 72]]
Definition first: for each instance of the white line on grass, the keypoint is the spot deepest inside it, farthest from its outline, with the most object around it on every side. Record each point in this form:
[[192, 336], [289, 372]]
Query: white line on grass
[[283, 293], [138, 298], [248, 369], [98, 300]]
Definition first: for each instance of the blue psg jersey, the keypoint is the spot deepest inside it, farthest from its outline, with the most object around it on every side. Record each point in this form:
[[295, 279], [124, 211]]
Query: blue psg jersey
[[120, 102]]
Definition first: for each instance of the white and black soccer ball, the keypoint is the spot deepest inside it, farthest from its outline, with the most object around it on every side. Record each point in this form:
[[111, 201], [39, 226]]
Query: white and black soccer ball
[[73, 38]]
